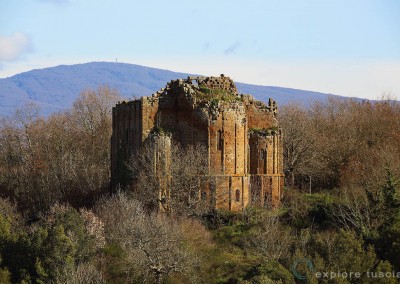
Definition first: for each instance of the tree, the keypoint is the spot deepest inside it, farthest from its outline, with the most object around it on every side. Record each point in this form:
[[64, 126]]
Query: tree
[[367, 210], [64, 157], [271, 240], [154, 243], [82, 273], [340, 142], [344, 252], [299, 143], [5, 276], [50, 249], [175, 180]]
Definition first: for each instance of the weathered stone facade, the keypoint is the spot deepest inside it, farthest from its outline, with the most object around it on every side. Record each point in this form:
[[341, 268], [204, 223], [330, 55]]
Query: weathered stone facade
[[242, 136]]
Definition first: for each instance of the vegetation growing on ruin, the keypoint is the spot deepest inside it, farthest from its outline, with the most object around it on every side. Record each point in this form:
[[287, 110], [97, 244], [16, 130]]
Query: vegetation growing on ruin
[[60, 223], [205, 94], [264, 131], [161, 130]]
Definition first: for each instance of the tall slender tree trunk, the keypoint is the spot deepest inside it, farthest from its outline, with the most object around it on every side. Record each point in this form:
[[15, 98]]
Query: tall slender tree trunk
[[292, 179]]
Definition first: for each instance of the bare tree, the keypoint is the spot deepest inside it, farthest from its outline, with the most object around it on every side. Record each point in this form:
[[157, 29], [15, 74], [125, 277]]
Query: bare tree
[[300, 142], [82, 273], [325, 143], [92, 109], [63, 157], [154, 242], [176, 180], [354, 210], [272, 241]]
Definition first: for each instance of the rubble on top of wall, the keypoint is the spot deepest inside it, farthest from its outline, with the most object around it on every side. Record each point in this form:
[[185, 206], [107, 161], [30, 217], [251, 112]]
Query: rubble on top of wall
[[212, 93], [265, 132]]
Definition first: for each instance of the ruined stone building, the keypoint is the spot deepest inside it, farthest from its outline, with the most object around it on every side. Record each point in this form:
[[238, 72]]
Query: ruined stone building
[[241, 135]]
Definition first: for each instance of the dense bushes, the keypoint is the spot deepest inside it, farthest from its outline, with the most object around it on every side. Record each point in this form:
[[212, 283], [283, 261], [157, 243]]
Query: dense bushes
[[50, 249]]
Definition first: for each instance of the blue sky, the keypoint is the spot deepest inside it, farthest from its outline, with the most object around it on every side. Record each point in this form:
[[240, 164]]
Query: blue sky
[[349, 48]]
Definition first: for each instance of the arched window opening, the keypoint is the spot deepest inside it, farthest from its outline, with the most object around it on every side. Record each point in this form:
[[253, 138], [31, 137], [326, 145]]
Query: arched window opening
[[203, 195], [220, 140], [262, 154], [237, 195]]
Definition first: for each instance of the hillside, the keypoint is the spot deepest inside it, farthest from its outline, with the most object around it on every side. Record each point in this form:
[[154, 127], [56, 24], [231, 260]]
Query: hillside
[[57, 87]]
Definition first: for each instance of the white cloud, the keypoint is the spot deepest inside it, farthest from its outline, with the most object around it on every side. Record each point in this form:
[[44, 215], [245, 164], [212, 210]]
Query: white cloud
[[14, 46]]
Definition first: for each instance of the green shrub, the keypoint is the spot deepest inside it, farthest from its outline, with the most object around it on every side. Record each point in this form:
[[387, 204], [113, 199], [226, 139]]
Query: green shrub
[[271, 270]]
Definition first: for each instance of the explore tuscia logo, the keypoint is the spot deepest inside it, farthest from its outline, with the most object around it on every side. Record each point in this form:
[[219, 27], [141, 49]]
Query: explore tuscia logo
[[303, 268], [298, 268]]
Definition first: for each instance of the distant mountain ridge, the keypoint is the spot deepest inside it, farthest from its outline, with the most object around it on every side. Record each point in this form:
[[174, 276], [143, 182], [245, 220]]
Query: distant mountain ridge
[[55, 88]]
